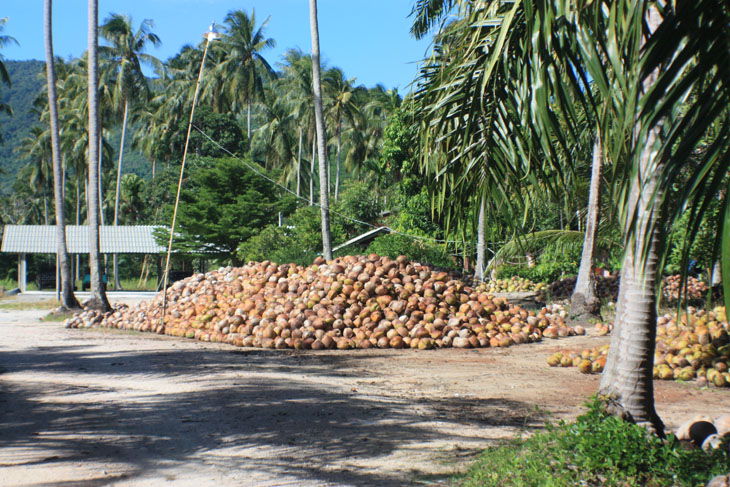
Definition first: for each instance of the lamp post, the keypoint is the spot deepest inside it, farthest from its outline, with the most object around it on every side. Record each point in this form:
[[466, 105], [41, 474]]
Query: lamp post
[[209, 36]]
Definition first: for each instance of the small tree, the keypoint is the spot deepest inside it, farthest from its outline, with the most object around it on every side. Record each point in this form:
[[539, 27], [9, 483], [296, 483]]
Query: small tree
[[224, 203]]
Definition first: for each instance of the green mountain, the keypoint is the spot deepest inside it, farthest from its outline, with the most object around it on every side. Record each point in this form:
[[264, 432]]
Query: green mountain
[[28, 80]]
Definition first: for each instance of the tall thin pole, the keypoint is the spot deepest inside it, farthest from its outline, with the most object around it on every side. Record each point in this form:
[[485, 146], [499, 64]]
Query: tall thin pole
[[209, 36], [324, 185]]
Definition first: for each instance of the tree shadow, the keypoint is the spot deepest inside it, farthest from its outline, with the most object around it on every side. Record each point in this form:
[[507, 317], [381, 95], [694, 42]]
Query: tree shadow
[[270, 423]]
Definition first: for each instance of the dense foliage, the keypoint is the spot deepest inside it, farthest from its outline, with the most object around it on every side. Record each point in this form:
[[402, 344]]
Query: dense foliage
[[223, 204], [596, 449]]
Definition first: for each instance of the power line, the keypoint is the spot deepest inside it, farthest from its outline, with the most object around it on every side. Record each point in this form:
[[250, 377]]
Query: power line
[[276, 183]]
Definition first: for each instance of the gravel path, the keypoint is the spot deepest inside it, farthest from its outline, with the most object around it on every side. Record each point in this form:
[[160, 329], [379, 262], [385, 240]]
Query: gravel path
[[94, 408]]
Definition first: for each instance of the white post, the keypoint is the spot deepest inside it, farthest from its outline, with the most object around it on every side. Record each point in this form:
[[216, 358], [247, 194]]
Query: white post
[[22, 272], [58, 279]]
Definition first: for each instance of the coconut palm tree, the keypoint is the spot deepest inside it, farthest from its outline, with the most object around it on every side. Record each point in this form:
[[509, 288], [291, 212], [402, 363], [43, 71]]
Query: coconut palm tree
[[68, 299], [4, 41], [297, 79], [37, 147], [321, 133], [98, 299], [4, 76], [126, 56], [653, 106], [276, 133], [243, 66], [341, 109]]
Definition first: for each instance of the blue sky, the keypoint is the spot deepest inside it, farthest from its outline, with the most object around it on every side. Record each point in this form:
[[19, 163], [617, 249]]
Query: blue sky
[[368, 39]]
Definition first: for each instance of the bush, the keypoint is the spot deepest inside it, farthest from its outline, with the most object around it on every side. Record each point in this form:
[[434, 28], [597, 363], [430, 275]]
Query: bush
[[358, 202], [596, 449], [299, 241]]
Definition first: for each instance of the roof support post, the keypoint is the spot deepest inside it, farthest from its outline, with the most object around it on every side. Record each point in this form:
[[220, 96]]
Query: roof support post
[[22, 272], [58, 279]]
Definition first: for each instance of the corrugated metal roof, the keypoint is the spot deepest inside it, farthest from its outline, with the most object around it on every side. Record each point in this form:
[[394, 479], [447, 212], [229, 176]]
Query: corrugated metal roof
[[364, 238], [41, 239]]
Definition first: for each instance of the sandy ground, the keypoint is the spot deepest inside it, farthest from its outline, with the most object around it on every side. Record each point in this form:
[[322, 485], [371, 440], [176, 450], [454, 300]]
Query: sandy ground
[[94, 408]]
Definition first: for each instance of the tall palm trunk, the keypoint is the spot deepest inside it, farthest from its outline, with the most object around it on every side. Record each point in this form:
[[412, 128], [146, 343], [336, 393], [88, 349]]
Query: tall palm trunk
[[584, 301], [481, 240], [98, 298], [101, 190], [248, 122], [117, 284], [68, 299], [339, 150], [319, 119], [299, 161], [311, 171], [627, 380], [45, 200], [78, 222]]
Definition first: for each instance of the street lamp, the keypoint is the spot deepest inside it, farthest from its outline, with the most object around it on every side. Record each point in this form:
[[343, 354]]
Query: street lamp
[[209, 36]]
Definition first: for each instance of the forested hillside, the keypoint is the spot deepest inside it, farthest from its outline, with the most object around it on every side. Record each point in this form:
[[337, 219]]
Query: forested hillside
[[27, 79]]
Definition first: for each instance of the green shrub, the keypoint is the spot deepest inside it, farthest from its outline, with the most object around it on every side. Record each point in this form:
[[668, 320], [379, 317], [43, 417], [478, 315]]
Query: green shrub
[[299, 241], [596, 449], [358, 202]]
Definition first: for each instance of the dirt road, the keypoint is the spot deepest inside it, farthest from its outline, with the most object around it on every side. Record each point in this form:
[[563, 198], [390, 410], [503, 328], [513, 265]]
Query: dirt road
[[95, 408]]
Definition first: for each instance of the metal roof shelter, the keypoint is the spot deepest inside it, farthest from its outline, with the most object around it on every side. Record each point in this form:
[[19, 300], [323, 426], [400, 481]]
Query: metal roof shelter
[[364, 238], [41, 239]]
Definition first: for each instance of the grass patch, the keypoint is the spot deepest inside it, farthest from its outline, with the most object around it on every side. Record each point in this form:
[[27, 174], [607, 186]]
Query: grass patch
[[57, 317], [12, 284], [24, 306], [131, 284], [595, 450]]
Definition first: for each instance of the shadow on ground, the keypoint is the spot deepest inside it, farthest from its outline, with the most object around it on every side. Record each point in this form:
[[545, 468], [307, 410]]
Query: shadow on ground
[[308, 429]]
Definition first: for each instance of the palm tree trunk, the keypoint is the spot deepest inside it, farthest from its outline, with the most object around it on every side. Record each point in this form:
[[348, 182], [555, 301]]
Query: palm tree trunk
[[45, 203], [117, 284], [319, 119], [627, 380], [339, 149], [101, 191], [481, 240], [299, 161], [98, 298], [248, 122], [584, 301], [68, 299], [311, 171], [78, 222]]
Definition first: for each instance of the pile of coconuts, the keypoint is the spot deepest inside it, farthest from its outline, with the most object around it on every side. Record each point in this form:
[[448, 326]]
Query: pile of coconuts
[[349, 302], [696, 289], [693, 346], [607, 288], [511, 285]]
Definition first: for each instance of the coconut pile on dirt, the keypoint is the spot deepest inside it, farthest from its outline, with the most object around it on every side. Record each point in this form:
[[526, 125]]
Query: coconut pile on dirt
[[692, 345], [693, 289], [349, 302]]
